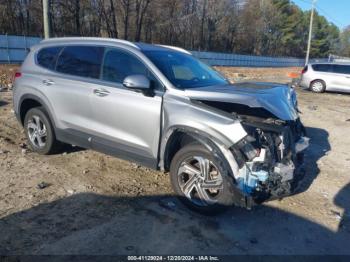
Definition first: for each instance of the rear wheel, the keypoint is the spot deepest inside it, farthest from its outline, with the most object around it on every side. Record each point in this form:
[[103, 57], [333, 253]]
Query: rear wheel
[[39, 132], [318, 86], [201, 180]]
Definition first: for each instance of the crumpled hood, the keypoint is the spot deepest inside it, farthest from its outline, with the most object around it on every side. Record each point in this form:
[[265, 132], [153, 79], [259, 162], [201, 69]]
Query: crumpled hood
[[278, 99]]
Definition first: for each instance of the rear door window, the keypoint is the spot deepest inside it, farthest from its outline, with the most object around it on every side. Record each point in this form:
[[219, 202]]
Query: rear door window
[[47, 57], [342, 69], [84, 61], [322, 67]]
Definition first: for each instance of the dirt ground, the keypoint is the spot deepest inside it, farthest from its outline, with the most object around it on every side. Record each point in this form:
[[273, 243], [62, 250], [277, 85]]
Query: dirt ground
[[264, 74], [93, 204]]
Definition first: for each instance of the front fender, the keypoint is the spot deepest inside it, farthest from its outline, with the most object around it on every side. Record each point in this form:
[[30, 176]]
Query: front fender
[[180, 114], [179, 111], [211, 143]]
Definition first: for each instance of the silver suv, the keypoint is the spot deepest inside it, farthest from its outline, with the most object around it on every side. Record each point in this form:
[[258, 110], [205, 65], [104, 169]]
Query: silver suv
[[326, 77], [156, 105]]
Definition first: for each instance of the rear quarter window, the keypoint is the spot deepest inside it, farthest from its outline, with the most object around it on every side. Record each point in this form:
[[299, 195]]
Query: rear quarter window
[[84, 61], [47, 57]]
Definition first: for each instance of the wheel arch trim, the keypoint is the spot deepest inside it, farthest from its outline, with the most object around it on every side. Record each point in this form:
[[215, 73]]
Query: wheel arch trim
[[40, 101], [320, 80], [210, 142]]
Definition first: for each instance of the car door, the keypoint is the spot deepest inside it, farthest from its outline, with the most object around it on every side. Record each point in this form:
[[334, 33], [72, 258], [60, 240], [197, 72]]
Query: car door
[[342, 81], [78, 66], [326, 73], [126, 123]]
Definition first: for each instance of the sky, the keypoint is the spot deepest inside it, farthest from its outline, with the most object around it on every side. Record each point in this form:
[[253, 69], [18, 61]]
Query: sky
[[336, 11]]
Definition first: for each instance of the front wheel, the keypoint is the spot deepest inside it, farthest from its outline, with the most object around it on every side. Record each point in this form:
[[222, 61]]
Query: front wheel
[[201, 180]]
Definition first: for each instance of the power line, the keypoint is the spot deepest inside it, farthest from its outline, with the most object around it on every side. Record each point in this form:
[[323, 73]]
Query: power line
[[307, 2], [326, 14], [329, 16]]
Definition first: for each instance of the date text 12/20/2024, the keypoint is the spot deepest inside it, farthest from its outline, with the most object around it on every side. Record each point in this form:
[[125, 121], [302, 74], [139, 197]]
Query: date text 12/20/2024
[[173, 258]]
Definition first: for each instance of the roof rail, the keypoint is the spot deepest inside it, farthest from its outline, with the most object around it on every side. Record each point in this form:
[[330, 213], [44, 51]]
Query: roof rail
[[64, 39], [176, 48]]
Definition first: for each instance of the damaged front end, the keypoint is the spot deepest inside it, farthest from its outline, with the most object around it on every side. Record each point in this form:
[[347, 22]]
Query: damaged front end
[[270, 158]]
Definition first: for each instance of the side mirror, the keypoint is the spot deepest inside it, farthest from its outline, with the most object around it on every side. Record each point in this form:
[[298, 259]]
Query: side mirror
[[137, 82]]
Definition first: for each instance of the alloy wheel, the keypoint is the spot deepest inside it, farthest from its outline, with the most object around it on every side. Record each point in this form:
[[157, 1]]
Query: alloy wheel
[[200, 180], [37, 132], [317, 86]]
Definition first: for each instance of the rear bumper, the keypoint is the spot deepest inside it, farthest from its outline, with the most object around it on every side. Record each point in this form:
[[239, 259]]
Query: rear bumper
[[303, 82]]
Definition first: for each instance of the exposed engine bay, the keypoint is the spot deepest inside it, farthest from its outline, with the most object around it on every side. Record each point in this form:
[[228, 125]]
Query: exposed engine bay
[[270, 158]]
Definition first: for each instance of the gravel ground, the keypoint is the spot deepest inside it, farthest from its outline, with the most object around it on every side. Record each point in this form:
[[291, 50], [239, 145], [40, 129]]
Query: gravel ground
[[84, 202]]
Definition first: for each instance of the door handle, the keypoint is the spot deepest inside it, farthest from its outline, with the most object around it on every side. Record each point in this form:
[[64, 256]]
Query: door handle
[[101, 92], [48, 82]]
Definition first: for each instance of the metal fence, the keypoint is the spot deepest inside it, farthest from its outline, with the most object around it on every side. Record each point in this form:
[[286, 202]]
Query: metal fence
[[13, 49], [339, 59], [226, 59]]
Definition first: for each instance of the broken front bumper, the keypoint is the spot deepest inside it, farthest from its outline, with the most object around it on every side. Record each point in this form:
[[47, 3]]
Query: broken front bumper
[[257, 186]]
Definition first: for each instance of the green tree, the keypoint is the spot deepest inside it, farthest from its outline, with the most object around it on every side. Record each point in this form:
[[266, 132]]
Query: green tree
[[325, 37], [345, 42]]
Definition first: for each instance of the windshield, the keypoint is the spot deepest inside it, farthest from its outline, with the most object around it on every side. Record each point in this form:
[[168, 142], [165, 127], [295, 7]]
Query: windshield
[[184, 71]]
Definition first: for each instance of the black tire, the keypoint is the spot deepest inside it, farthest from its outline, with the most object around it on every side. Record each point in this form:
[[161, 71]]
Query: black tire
[[318, 86], [51, 145], [224, 199]]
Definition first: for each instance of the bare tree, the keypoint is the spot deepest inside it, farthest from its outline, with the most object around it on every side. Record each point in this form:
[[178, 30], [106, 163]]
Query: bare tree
[[114, 19], [204, 13], [140, 10], [269, 27], [77, 16], [126, 10]]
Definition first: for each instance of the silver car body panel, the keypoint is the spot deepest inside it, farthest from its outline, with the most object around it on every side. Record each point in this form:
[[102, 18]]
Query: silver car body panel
[[180, 114], [275, 98]]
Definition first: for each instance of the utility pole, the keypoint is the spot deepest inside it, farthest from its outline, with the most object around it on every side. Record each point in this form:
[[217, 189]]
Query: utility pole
[[46, 19], [310, 32]]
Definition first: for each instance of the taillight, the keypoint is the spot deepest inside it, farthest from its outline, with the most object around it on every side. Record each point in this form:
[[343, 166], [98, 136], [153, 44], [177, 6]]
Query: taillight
[[18, 74], [304, 70]]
